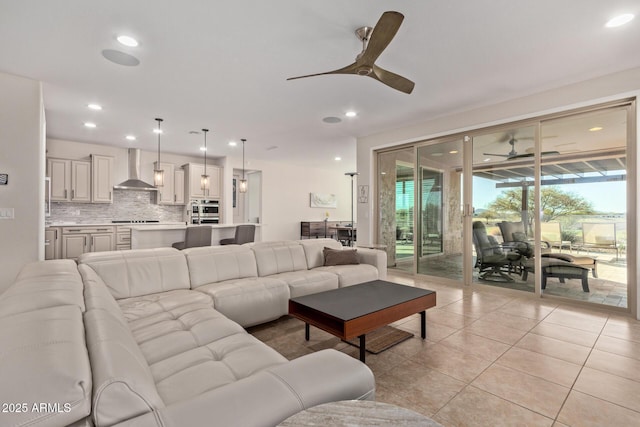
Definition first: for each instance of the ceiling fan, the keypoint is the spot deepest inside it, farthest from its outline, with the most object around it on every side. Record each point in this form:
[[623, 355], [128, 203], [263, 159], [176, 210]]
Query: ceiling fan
[[513, 154], [374, 42]]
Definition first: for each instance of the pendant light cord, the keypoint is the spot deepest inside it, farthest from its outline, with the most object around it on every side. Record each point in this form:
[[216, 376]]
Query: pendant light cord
[[243, 141], [205, 149], [159, 132]]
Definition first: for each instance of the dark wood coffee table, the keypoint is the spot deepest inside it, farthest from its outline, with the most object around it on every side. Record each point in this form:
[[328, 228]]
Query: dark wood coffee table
[[356, 310]]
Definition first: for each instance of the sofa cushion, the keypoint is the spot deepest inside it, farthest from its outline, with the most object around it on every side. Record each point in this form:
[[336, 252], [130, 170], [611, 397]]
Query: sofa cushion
[[43, 284], [279, 259], [212, 365], [140, 271], [123, 384], [351, 274], [43, 359], [137, 309], [308, 281], [340, 256], [313, 250], [215, 264], [251, 300]]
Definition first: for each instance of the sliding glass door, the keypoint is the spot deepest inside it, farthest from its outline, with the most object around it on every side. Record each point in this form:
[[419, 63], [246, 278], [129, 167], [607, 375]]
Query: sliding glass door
[[547, 205], [439, 225], [396, 200]]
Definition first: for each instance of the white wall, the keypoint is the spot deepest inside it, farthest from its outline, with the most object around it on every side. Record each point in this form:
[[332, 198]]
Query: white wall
[[612, 87], [22, 157], [285, 195]]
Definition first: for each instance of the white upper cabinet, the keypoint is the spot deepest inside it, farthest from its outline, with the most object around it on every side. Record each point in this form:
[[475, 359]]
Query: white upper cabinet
[[102, 179]]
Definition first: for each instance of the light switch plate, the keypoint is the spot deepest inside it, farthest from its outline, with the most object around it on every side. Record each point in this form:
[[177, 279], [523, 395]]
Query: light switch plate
[[6, 213], [4, 178]]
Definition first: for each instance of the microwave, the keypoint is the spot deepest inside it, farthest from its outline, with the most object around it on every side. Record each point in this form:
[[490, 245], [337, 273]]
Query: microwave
[[204, 211]]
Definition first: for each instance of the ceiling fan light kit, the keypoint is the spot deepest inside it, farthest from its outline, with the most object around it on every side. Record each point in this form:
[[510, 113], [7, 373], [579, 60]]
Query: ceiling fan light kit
[[374, 41]]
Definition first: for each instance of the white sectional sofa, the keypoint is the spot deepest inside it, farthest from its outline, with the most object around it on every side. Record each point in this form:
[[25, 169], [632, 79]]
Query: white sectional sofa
[[155, 337]]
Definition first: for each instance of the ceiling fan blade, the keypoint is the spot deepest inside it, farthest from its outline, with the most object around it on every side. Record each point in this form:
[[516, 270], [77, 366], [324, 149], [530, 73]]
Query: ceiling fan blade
[[349, 69], [392, 80], [497, 155], [382, 34]]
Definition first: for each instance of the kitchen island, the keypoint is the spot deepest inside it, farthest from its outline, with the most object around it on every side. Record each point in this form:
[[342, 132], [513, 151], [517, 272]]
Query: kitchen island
[[157, 236]]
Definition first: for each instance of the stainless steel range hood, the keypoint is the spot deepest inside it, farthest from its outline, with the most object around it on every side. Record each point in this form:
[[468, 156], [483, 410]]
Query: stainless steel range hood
[[134, 182]]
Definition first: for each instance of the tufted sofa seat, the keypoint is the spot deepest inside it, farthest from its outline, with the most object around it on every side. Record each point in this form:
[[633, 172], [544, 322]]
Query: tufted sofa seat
[[155, 337]]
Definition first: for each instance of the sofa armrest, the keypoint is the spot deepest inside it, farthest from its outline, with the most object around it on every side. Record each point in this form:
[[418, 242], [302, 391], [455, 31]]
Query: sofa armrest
[[269, 397], [374, 257]]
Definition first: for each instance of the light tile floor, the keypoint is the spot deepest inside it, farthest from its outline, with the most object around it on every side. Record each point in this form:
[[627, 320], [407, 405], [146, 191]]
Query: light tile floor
[[496, 359]]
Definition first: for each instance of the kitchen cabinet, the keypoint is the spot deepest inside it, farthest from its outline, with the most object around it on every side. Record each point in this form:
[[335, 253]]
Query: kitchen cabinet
[[172, 192], [193, 172], [80, 181], [70, 180], [123, 238], [101, 179], [178, 186], [79, 240], [51, 243], [165, 194]]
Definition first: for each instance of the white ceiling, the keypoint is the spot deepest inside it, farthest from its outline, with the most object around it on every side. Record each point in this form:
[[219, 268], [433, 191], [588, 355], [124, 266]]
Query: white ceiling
[[223, 65]]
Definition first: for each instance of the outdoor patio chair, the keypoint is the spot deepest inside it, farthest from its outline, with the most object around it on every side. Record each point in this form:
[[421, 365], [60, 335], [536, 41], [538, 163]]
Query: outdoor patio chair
[[600, 236], [492, 261], [551, 232], [515, 237]]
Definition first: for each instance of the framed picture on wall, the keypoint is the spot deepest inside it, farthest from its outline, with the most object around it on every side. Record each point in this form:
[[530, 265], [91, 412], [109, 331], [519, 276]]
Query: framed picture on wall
[[321, 200]]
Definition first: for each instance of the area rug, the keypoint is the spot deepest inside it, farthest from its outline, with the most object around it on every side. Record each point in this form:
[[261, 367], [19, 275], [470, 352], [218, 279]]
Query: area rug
[[382, 339]]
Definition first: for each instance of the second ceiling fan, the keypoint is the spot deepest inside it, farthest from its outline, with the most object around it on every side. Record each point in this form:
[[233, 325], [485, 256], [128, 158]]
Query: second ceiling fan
[[374, 41], [513, 154]]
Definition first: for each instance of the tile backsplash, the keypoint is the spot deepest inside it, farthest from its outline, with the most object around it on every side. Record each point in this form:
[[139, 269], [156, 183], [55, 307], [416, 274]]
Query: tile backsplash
[[127, 205]]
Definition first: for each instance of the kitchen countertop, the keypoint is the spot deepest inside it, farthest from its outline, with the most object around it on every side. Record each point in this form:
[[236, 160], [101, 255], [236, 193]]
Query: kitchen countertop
[[181, 226], [102, 224]]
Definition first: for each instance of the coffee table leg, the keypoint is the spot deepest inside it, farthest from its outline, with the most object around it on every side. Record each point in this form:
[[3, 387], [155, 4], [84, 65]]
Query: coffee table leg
[[362, 348], [423, 324], [306, 331]]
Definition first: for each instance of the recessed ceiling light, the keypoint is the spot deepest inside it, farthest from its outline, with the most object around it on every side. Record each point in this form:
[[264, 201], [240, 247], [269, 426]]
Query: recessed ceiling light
[[203, 148], [89, 125], [232, 143], [350, 114], [487, 159], [436, 154], [156, 130], [619, 20], [127, 41], [332, 120], [453, 152], [96, 107], [130, 138], [337, 158], [595, 129]]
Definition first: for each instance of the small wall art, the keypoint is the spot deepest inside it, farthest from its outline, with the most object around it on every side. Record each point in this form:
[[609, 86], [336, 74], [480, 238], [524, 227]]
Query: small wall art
[[322, 200], [363, 194]]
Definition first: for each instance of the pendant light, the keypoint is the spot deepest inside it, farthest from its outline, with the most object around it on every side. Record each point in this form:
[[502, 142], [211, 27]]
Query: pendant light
[[204, 178], [242, 187], [158, 174]]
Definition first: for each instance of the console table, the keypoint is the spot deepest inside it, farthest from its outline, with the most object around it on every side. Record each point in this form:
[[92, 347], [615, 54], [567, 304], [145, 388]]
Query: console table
[[317, 229]]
